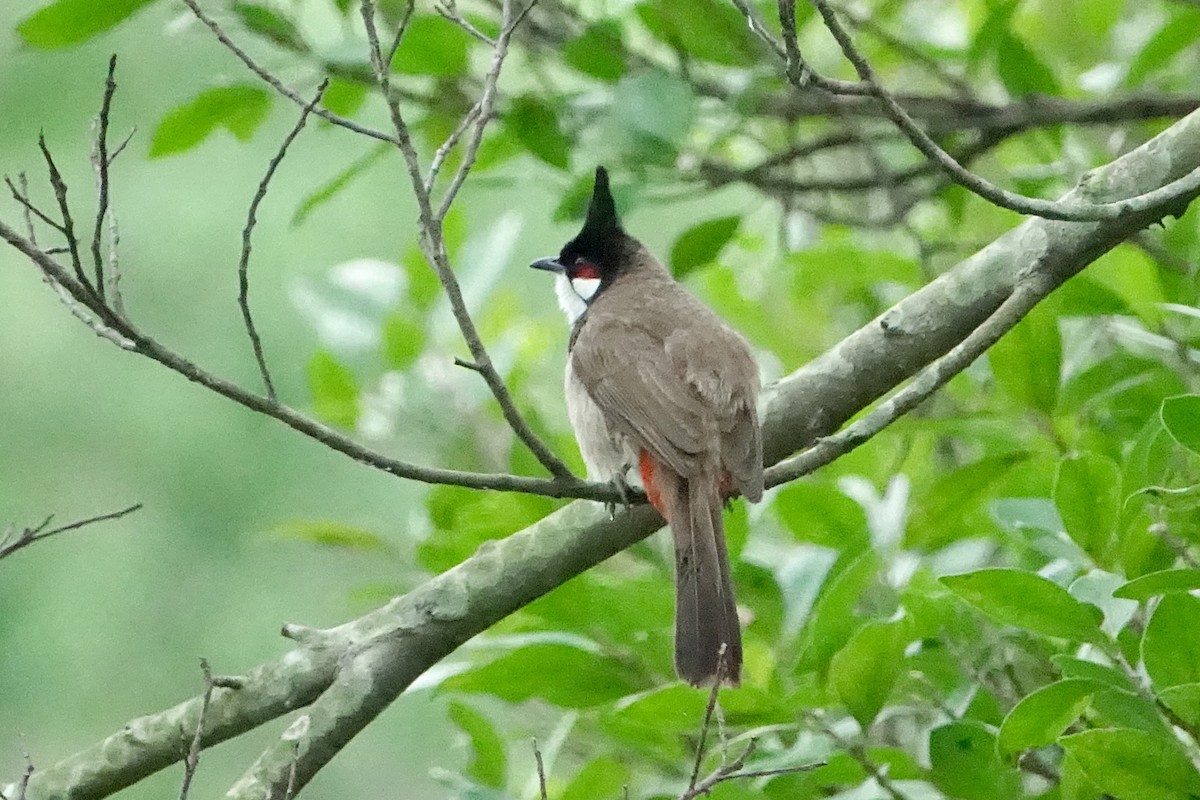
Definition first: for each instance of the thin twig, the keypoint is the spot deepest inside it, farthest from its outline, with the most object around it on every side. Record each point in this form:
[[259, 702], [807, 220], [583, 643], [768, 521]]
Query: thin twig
[[274, 82], [401, 29], [10, 544], [68, 224], [154, 350], [433, 245], [247, 232], [193, 755], [1025, 296], [758, 29], [448, 9], [487, 102], [541, 771], [29, 209], [718, 676], [444, 151], [121, 147], [101, 163], [908, 50], [1073, 211]]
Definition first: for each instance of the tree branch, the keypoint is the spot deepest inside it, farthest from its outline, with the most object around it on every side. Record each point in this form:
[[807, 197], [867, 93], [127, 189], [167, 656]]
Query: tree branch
[[1079, 210], [433, 245], [275, 83], [248, 230], [11, 542]]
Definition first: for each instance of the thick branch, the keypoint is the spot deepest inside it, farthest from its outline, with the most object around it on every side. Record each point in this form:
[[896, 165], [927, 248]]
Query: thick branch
[[357, 669]]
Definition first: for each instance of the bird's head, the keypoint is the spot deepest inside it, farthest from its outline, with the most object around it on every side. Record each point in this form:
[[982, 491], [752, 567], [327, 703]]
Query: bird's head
[[591, 261]]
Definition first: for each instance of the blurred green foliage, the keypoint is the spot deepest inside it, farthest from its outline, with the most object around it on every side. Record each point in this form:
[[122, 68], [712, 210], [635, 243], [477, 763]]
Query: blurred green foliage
[[991, 600]]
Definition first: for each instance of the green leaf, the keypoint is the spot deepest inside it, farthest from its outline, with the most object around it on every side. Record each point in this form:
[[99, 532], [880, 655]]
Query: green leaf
[[68, 22], [561, 674], [601, 777], [332, 534], [1170, 646], [1021, 71], [432, 46], [535, 125], [1087, 490], [701, 244], [655, 104], [1072, 667], [1181, 417], [597, 51], [1131, 275], [1172, 39], [1027, 362], [1134, 764], [270, 24], [705, 29], [1028, 601], [1162, 582], [864, 672], [1184, 700], [964, 763], [334, 390], [1040, 717], [403, 340], [239, 109], [488, 761], [832, 621]]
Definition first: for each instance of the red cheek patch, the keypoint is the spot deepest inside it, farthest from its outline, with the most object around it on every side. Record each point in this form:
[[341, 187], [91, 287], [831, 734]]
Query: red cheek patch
[[586, 271]]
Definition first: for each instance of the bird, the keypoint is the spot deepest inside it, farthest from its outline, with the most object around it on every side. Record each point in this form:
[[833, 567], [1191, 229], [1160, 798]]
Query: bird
[[656, 381]]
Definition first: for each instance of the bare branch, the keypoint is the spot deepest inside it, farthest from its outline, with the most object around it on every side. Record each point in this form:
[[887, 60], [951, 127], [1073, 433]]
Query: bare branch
[[68, 224], [101, 162], [709, 708], [909, 51], [433, 245], [541, 772], [30, 210], [758, 29], [151, 348], [1076, 211], [248, 230], [487, 102], [274, 82], [11, 543], [448, 9], [401, 29], [193, 754]]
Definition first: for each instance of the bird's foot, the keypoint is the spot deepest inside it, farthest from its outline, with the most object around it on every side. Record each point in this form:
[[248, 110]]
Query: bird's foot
[[622, 488]]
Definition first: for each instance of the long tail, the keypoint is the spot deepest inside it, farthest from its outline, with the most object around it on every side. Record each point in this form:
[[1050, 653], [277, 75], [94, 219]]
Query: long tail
[[705, 610]]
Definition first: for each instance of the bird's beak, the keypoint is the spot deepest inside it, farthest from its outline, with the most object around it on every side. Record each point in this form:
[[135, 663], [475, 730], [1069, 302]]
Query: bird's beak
[[550, 264]]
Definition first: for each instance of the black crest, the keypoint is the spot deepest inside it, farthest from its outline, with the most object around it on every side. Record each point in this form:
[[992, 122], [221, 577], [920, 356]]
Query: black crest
[[601, 240]]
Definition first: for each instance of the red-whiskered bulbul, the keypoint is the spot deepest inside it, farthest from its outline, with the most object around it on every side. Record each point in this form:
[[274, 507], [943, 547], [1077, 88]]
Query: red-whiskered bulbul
[[656, 380]]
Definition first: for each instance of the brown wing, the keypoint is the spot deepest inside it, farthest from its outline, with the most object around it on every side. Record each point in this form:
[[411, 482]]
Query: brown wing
[[683, 388], [626, 370]]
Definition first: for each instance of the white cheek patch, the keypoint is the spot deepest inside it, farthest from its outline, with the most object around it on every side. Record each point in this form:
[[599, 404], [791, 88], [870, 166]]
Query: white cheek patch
[[585, 287], [571, 303]]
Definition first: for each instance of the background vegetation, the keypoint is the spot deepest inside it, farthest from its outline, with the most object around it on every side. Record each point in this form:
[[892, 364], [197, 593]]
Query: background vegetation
[[1055, 478]]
